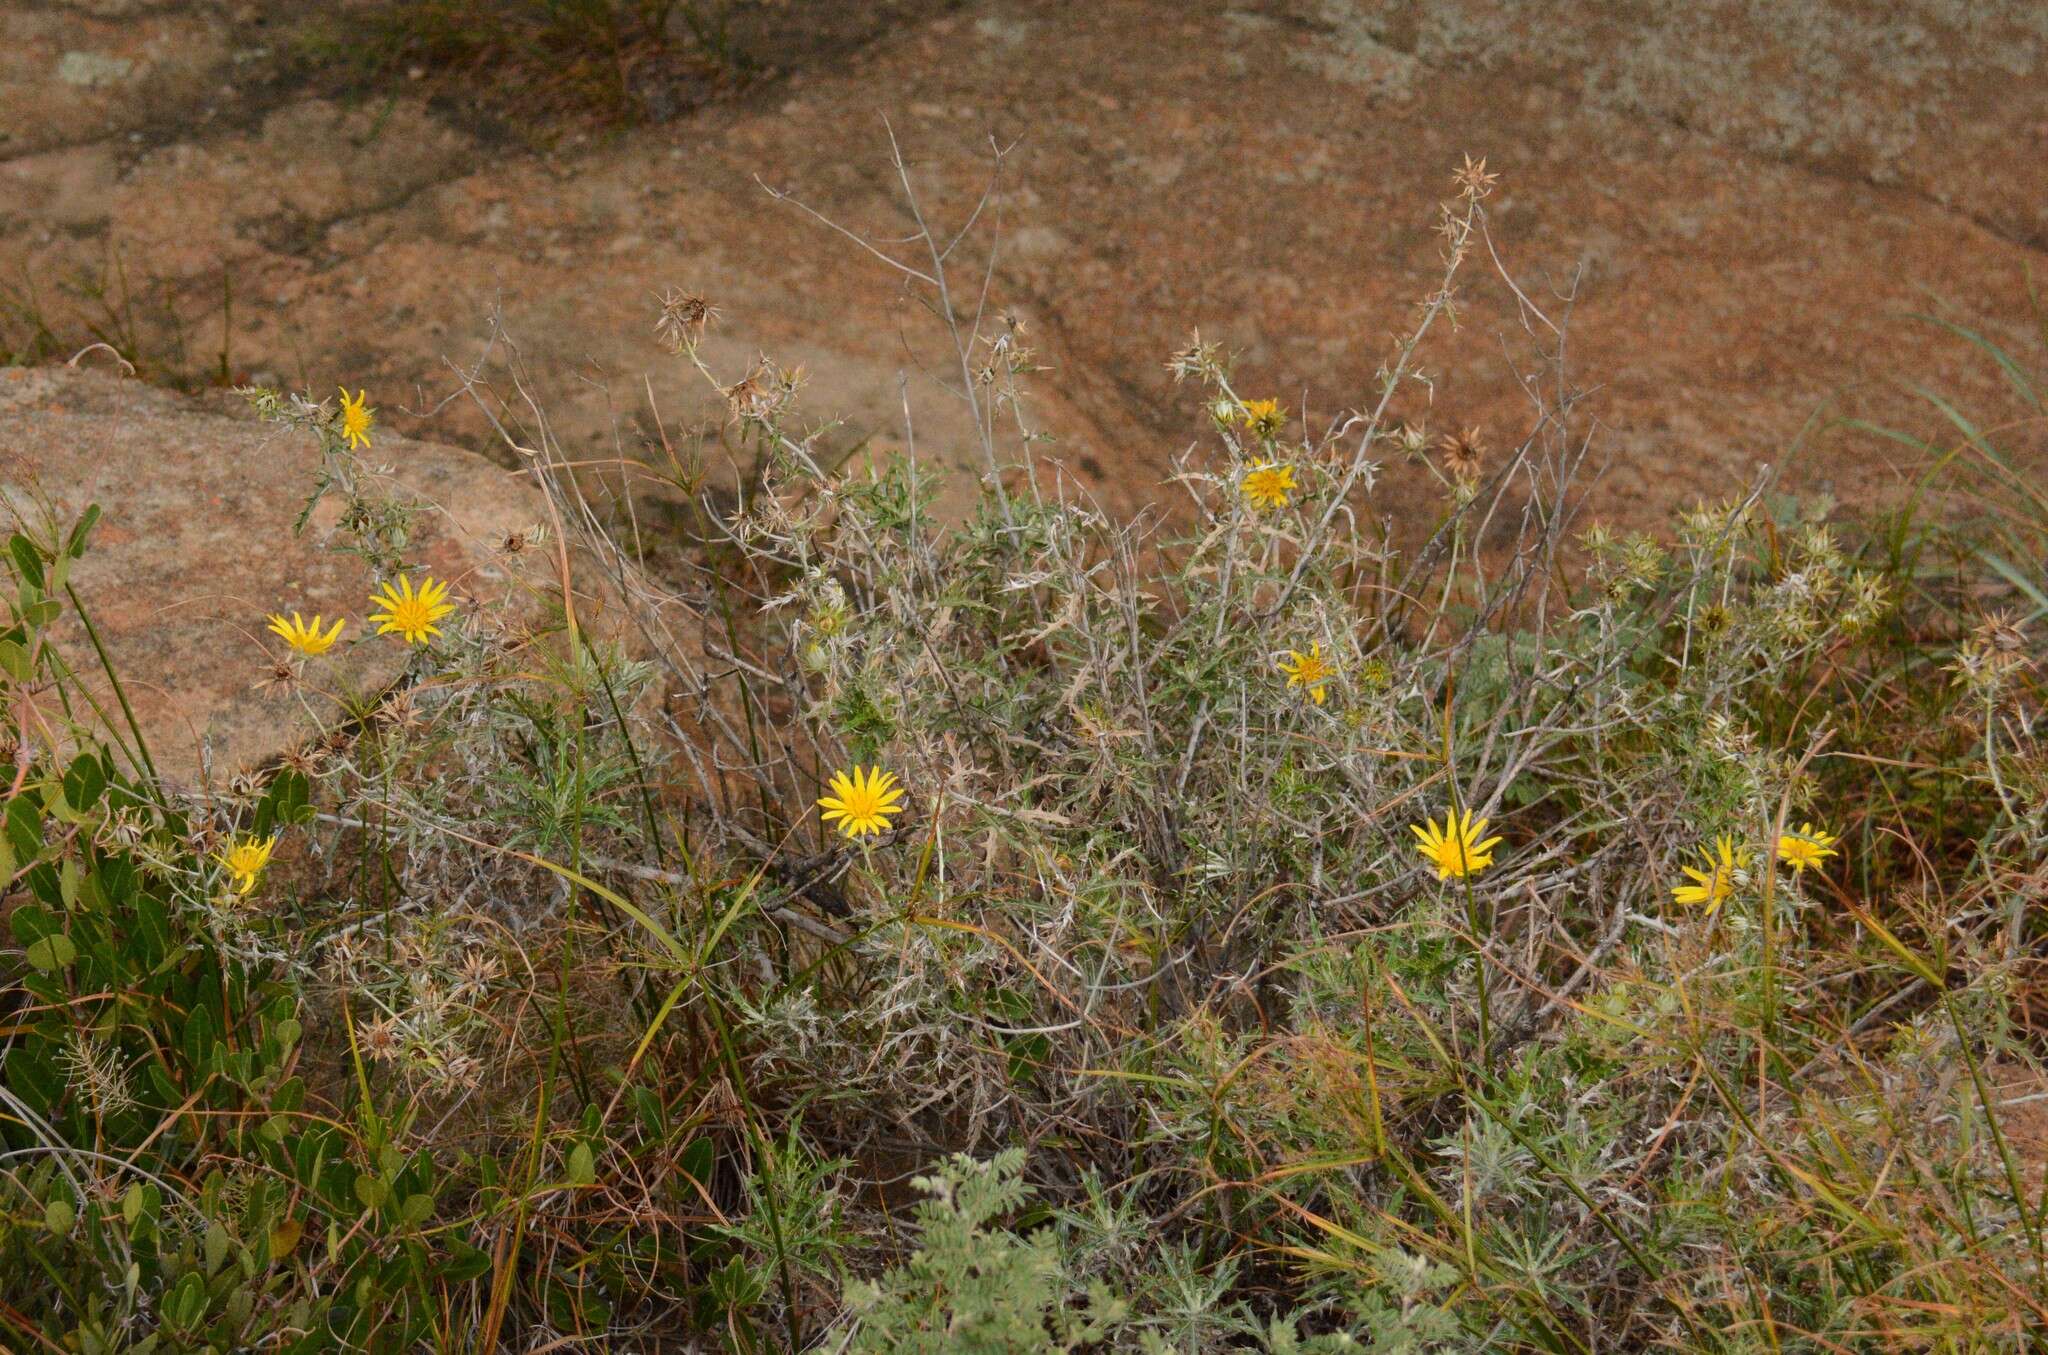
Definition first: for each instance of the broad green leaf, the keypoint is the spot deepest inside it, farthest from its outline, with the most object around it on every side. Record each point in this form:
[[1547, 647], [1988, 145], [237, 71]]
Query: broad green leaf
[[53, 952]]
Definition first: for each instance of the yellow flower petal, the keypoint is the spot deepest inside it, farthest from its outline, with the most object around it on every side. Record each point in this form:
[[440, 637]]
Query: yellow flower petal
[[1455, 849], [356, 418], [861, 803], [411, 614]]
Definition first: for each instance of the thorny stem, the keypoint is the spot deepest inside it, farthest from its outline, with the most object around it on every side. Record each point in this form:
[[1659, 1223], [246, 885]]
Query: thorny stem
[[1436, 305]]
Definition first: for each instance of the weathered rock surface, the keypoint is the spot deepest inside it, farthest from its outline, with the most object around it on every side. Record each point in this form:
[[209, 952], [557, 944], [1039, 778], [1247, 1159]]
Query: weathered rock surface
[[1750, 197], [196, 547]]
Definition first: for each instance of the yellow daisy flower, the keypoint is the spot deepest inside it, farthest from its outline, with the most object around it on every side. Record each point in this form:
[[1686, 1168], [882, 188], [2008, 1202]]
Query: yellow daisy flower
[[356, 418], [1810, 846], [411, 614], [1310, 670], [1716, 883], [863, 802], [1264, 417], [1455, 848], [245, 859], [1269, 485], [305, 637]]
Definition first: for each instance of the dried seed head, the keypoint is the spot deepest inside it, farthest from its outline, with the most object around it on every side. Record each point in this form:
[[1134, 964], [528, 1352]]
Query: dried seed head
[[381, 1039], [1472, 179], [475, 975], [683, 320], [304, 758], [124, 829], [2001, 632], [1198, 359], [278, 679], [1464, 454], [762, 392], [400, 711], [1991, 656], [463, 1071]]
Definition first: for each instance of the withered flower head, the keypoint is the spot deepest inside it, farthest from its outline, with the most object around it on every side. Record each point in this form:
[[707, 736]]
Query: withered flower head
[[1473, 180], [1198, 359], [762, 392], [684, 318], [381, 1039], [476, 973], [2001, 631], [278, 679], [1464, 454], [303, 758], [400, 711]]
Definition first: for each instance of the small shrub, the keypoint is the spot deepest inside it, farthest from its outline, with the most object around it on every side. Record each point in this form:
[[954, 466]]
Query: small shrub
[[1291, 934]]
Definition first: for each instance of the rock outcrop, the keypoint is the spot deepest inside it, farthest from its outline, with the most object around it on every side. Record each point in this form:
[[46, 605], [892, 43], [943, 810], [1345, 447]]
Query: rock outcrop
[[196, 547], [1750, 198]]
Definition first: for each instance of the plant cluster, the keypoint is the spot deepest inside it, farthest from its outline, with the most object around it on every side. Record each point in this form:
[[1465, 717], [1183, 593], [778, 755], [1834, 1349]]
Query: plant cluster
[[1256, 928]]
